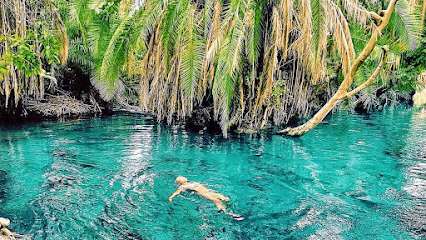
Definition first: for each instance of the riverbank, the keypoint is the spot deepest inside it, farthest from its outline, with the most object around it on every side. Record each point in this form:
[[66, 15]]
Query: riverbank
[[72, 96], [53, 107]]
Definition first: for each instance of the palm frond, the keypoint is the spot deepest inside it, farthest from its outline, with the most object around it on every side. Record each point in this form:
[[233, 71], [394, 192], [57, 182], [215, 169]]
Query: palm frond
[[407, 24], [228, 68], [318, 42], [214, 37], [192, 55], [111, 62], [357, 11], [339, 28]]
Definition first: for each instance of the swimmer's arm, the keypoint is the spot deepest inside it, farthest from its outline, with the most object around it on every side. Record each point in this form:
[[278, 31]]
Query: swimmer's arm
[[175, 193]]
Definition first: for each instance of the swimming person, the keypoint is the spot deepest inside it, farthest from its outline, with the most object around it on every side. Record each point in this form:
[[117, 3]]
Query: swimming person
[[204, 192]]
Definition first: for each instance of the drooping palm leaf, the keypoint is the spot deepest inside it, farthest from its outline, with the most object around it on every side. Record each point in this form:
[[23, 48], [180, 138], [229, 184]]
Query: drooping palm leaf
[[192, 55], [228, 67], [112, 60], [407, 25], [318, 42]]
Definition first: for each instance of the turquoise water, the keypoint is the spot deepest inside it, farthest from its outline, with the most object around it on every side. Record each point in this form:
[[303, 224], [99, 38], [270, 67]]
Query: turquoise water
[[354, 177]]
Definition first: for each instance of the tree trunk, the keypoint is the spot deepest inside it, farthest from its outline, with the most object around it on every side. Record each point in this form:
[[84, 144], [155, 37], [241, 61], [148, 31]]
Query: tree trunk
[[342, 93]]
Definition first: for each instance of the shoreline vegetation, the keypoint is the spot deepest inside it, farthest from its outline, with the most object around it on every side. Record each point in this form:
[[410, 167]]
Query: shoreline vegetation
[[240, 66]]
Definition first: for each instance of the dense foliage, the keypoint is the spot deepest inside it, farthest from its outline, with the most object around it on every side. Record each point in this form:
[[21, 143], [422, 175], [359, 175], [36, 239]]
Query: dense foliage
[[32, 42], [247, 64]]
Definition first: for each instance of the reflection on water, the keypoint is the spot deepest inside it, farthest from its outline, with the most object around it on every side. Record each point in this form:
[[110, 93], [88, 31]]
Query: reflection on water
[[358, 177], [414, 213], [137, 161]]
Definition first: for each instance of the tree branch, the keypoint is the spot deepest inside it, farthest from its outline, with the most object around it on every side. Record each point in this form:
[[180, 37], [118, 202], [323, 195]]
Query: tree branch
[[385, 50], [342, 92], [376, 17]]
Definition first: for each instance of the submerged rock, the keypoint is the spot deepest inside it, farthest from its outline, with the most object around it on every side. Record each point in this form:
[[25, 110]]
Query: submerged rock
[[14, 236], [6, 234]]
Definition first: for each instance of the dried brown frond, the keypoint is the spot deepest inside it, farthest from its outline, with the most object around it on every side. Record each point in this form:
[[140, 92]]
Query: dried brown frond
[[214, 38], [301, 45], [271, 58], [16, 18], [64, 46], [357, 11], [341, 33], [286, 25], [58, 106], [421, 79], [63, 37]]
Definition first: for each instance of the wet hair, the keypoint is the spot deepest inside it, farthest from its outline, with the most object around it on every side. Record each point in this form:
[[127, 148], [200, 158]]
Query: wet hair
[[181, 180]]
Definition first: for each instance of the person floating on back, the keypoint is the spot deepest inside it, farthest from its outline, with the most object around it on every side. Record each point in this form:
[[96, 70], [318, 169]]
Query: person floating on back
[[204, 192]]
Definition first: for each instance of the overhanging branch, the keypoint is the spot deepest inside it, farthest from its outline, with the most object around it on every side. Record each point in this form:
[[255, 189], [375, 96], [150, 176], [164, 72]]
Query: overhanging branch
[[373, 76], [342, 92]]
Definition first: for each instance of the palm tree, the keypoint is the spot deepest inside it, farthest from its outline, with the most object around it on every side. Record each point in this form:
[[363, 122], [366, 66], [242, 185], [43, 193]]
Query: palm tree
[[379, 22], [256, 63]]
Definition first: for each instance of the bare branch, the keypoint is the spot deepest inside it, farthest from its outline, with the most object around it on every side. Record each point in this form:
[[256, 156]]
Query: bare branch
[[342, 92], [376, 16], [385, 50]]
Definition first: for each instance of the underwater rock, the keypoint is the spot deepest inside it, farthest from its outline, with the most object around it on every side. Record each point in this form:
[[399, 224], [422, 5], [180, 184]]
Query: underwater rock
[[12, 236], [6, 234]]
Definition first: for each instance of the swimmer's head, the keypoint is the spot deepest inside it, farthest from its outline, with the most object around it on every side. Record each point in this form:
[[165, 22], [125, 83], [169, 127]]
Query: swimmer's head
[[181, 180]]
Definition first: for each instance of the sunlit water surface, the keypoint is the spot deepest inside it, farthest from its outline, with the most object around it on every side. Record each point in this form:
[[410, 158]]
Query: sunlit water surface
[[355, 177]]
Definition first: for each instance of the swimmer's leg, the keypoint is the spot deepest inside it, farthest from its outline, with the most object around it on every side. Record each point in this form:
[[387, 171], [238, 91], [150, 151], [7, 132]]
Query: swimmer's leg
[[220, 196], [222, 207], [219, 204]]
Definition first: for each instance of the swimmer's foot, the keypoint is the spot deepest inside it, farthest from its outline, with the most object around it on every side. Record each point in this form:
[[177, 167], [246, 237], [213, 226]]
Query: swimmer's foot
[[235, 216]]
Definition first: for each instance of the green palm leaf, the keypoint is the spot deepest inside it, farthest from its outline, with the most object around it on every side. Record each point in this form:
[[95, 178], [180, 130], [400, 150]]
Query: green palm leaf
[[192, 54], [318, 40], [407, 24], [228, 68], [112, 61]]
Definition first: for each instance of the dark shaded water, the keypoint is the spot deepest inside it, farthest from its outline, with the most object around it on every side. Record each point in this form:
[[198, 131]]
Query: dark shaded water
[[357, 177]]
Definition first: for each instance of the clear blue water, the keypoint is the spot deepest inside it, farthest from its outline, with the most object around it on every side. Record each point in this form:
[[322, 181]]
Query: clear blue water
[[355, 177]]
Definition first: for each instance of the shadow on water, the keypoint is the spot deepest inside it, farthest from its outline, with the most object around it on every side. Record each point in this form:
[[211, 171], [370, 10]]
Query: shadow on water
[[4, 190], [115, 225]]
